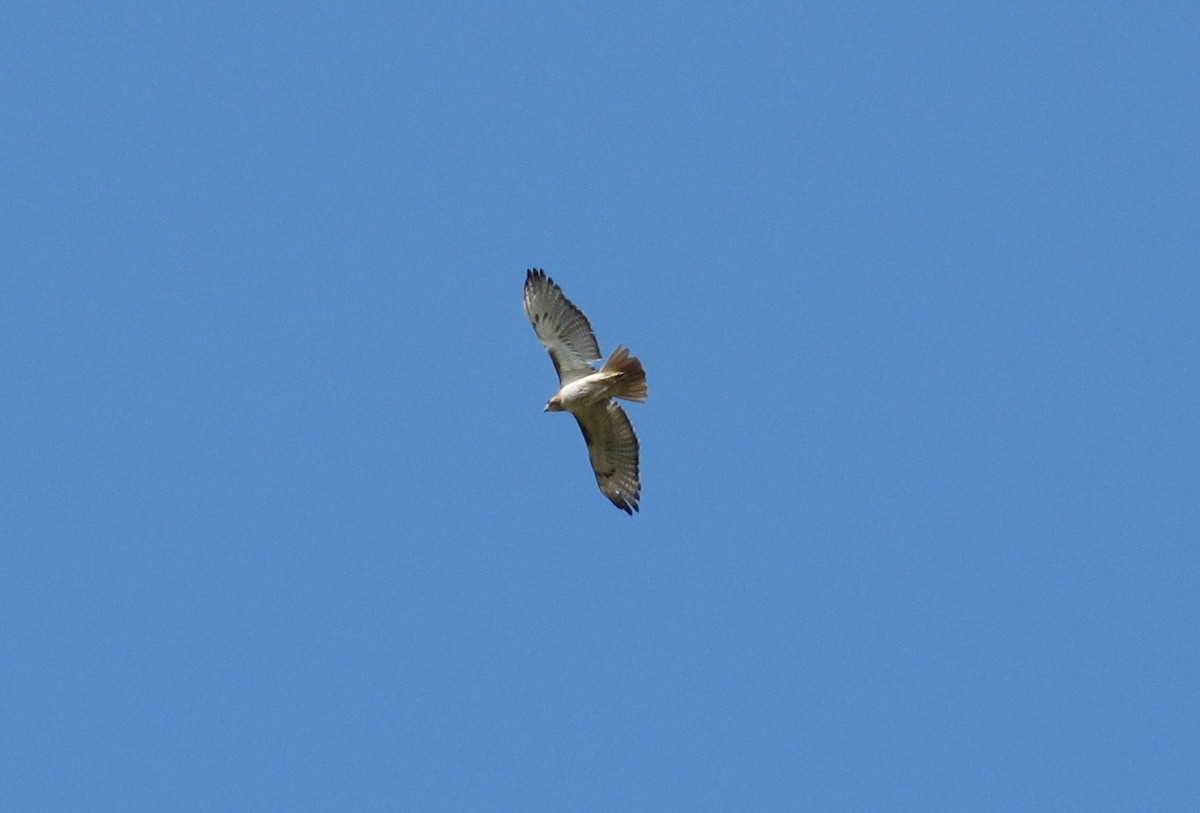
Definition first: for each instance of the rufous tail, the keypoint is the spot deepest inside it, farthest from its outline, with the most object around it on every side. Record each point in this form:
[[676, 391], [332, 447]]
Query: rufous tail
[[632, 383]]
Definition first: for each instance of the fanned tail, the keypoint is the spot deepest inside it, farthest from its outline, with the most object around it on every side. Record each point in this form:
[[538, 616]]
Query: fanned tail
[[631, 385]]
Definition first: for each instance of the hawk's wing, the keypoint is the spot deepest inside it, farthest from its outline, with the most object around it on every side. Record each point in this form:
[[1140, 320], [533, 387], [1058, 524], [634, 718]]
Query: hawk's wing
[[561, 327], [613, 449]]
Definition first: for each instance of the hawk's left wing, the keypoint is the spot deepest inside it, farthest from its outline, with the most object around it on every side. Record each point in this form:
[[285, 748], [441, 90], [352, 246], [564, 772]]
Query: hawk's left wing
[[613, 449], [561, 327]]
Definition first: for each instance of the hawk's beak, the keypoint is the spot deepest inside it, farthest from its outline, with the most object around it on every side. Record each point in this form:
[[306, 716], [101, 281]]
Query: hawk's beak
[[547, 409]]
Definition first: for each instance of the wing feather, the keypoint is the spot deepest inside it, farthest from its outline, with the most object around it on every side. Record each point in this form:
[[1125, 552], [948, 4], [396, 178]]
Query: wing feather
[[560, 326], [613, 450]]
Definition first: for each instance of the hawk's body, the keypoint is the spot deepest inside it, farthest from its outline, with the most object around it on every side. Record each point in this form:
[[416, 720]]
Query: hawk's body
[[587, 393]]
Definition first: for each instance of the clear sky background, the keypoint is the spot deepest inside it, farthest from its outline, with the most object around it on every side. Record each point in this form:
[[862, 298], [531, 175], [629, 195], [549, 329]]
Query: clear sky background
[[284, 526]]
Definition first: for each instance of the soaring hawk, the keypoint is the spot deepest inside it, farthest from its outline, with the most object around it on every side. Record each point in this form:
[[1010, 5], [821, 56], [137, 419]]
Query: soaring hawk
[[588, 393]]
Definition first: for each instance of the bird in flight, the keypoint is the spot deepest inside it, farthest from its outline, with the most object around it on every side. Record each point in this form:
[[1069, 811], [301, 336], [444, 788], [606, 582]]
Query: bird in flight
[[588, 393]]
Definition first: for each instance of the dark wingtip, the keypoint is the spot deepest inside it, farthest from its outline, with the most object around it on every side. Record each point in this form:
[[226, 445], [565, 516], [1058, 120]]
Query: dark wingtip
[[625, 504], [537, 274]]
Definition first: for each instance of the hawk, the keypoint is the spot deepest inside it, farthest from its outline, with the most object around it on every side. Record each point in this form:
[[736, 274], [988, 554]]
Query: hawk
[[588, 393]]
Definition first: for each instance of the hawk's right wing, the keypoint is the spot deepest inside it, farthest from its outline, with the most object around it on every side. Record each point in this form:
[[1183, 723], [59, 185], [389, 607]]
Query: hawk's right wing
[[613, 449], [561, 327]]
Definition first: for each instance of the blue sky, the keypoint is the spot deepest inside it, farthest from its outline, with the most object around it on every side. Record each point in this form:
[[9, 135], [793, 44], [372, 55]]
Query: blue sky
[[285, 527]]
